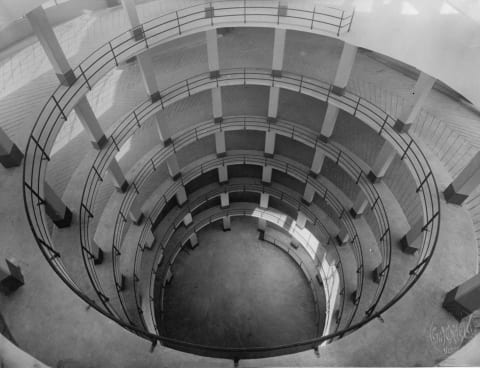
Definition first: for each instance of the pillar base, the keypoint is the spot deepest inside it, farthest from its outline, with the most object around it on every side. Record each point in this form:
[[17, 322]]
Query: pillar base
[[406, 247], [209, 12], [401, 127], [221, 154], [68, 78], [305, 202], [124, 187], [282, 10], [451, 196], [66, 219], [167, 142], [138, 220], [13, 158], [276, 73], [313, 174], [9, 284], [177, 176], [261, 234], [376, 275], [154, 97], [101, 143], [122, 283], [268, 155], [214, 74], [373, 178], [218, 120], [453, 307], [354, 213], [271, 120], [137, 33], [294, 243], [338, 90], [323, 138], [319, 279]]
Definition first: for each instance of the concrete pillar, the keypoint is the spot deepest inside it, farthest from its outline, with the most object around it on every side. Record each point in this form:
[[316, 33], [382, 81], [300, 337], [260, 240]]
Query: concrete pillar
[[226, 223], [217, 105], [464, 299], [413, 240], [12, 278], [58, 212], [342, 237], [117, 175], [90, 123], [329, 122], [417, 97], [382, 162], [163, 132], [278, 51], [273, 99], [44, 32], [193, 240], [173, 166], [465, 182], [222, 174], [181, 196], [269, 144], [147, 70], [344, 69], [96, 252], [264, 198], [301, 220], [267, 174], [220, 147], [212, 53], [132, 15], [148, 240], [317, 162], [308, 194], [262, 224], [188, 219], [359, 205], [224, 200], [10, 155], [135, 213]]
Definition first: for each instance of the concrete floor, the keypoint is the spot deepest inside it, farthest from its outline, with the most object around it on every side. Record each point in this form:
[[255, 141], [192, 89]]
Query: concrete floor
[[75, 332], [234, 290]]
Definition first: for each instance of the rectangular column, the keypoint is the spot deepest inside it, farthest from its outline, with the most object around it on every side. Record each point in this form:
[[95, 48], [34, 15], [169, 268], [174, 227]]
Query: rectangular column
[[278, 51], [90, 123], [163, 131], [193, 240], [262, 224], [222, 174], [220, 147], [12, 279], [135, 213], [217, 105], [132, 15], [273, 99], [119, 180], [181, 196], [149, 240], [264, 198], [359, 205], [147, 70], [342, 237], [267, 174], [464, 299], [212, 53], [45, 34], [269, 144], [188, 219], [344, 69], [173, 166], [226, 222], [382, 163], [58, 212], [329, 122], [224, 200], [413, 240], [465, 182], [317, 162], [414, 103], [308, 194], [10, 155], [301, 220]]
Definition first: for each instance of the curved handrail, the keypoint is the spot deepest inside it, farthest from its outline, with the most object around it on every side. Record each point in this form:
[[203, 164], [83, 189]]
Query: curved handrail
[[252, 187], [38, 151]]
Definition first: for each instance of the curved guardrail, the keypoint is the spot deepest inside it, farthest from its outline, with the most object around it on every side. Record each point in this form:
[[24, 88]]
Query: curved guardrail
[[168, 233], [91, 70]]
